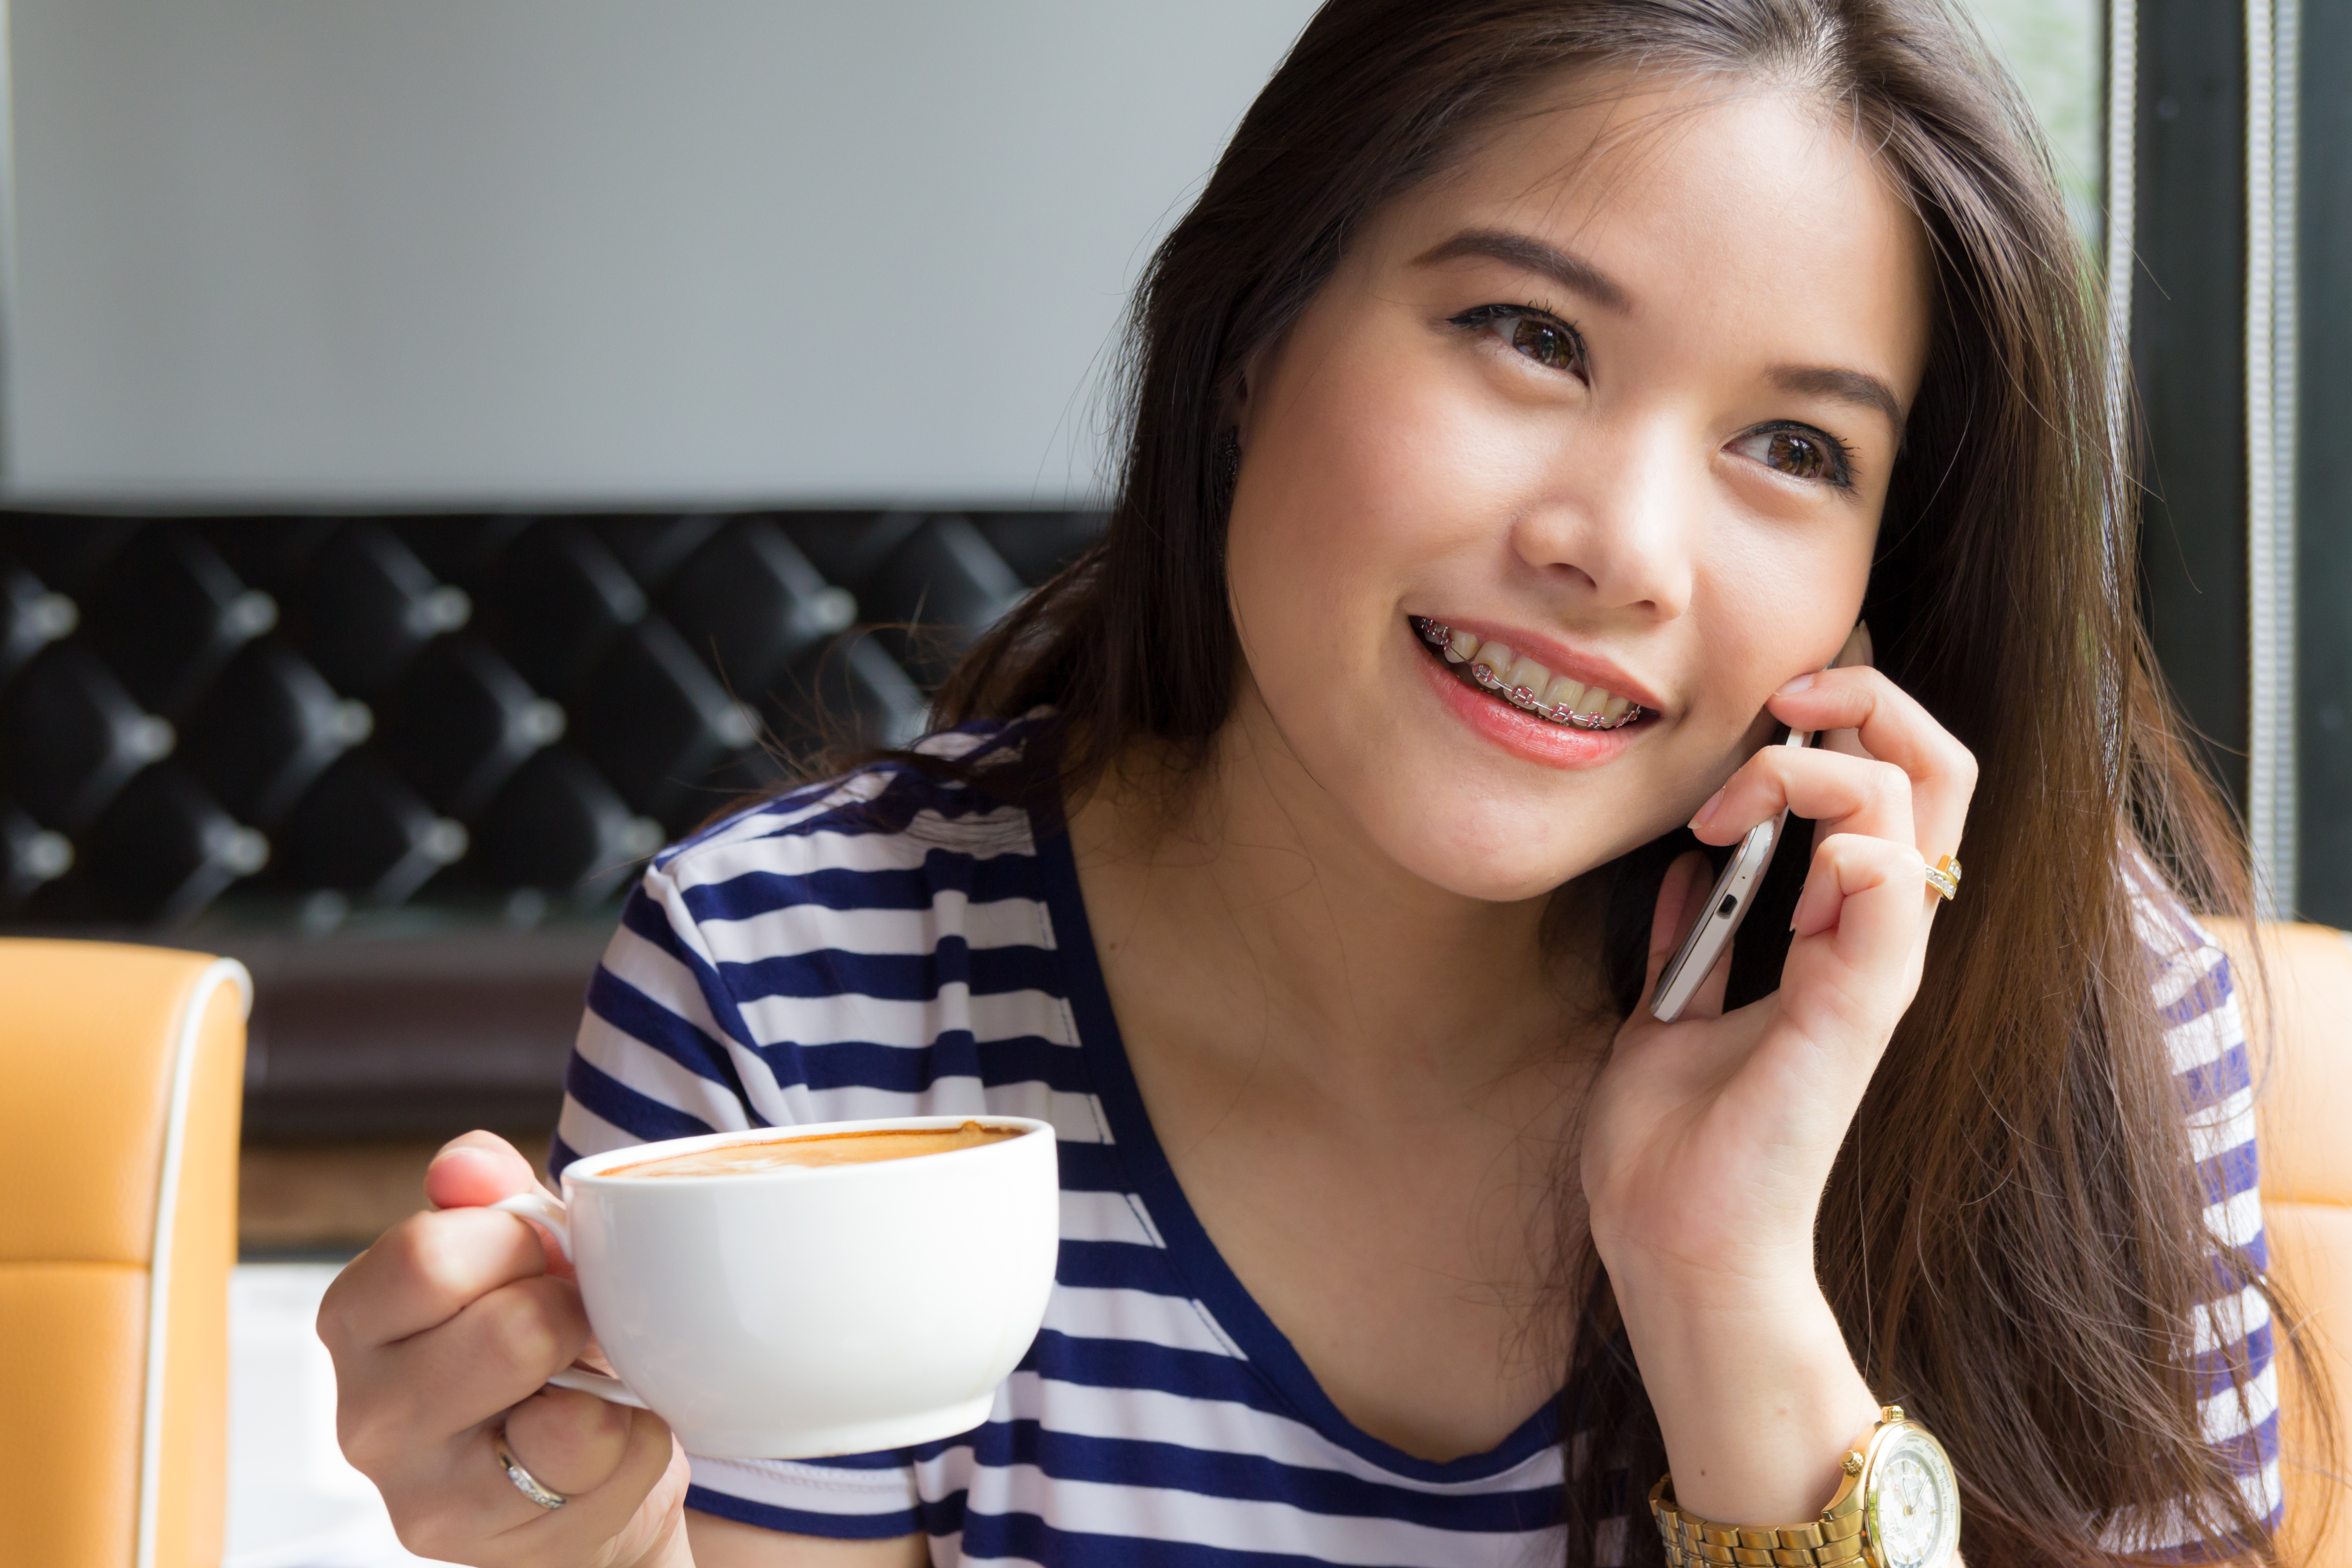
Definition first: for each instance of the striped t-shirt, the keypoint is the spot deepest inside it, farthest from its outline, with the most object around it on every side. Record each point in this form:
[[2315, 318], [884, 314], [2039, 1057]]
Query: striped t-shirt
[[891, 945]]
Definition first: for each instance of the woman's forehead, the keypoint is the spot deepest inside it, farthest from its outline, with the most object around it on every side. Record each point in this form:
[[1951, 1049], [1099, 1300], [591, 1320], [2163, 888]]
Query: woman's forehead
[[1698, 199], [1594, 131]]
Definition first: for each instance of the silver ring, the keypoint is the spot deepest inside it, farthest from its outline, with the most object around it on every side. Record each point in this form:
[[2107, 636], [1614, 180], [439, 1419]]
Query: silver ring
[[524, 1481]]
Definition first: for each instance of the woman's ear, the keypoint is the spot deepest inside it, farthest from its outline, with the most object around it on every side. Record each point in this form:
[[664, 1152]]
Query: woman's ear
[[1239, 404], [1237, 407]]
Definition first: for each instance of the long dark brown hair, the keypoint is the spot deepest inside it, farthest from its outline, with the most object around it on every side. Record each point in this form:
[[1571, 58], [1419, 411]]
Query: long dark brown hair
[[2013, 1237]]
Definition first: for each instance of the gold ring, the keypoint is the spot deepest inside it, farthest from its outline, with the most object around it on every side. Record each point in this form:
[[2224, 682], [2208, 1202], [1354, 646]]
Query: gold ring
[[1944, 876]]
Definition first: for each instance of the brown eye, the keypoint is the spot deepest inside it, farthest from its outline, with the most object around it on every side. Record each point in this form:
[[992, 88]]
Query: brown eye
[[1532, 333], [1799, 457], [1545, 343], [1798, 452]]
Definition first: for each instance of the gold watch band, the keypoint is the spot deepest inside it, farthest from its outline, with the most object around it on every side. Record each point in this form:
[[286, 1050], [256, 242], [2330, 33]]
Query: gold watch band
[[1830, 1541], [1824, 1543]]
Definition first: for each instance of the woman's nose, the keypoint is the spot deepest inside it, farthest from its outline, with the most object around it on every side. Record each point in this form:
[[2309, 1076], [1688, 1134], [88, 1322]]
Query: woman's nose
[[1622, 523]]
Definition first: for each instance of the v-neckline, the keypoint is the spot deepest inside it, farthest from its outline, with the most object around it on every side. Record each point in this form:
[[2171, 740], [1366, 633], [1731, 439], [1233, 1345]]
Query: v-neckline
[[1196, 1259]]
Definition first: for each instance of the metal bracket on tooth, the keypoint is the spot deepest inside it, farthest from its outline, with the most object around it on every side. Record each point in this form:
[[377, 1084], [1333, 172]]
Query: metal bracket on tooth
[[1521, 698], [1438, 636], [1563, 715]]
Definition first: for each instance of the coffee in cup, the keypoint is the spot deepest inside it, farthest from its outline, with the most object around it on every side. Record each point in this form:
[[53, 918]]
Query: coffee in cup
[[793, 1293], [814, 1152]]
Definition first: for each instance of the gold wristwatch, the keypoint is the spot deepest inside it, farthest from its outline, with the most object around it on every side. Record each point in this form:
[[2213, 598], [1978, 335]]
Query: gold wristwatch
[[1898, 1507]]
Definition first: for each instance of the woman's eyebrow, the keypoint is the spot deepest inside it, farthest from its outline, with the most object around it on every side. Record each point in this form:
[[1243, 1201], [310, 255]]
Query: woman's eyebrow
[[1531, 255], [1849, 386]]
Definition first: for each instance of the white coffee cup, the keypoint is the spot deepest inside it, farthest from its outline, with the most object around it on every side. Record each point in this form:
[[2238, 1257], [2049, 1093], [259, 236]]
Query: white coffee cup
[[799, 1311]]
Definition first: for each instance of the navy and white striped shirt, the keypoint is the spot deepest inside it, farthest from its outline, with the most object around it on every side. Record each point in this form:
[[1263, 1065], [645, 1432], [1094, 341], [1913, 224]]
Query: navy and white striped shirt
[[889, 944]]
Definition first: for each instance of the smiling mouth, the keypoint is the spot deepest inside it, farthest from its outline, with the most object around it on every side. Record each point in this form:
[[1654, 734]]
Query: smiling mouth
[[1514, 678]]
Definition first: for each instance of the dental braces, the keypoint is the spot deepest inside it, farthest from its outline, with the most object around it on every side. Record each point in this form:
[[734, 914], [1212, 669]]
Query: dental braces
[[1440, 635]]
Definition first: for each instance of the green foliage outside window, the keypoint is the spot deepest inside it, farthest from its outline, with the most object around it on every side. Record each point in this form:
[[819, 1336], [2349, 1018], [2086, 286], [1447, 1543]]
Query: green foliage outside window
[[2056, 49]]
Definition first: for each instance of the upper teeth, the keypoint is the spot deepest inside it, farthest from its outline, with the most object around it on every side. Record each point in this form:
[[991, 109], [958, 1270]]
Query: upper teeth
[[1526, 684]]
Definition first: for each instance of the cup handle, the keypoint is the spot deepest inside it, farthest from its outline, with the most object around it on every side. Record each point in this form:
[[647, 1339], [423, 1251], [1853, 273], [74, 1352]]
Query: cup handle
[[612, 1389], [546, 1210]]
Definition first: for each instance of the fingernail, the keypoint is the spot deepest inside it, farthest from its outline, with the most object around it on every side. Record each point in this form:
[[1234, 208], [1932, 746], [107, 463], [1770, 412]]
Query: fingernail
[[1796, 683], [1707, 810]]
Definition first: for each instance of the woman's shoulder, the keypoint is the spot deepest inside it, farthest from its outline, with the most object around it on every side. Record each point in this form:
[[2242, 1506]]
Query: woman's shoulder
[[2197, 1008], [800, 960], [844, 888], [2195, 993], [2192, 983], [850, 840]]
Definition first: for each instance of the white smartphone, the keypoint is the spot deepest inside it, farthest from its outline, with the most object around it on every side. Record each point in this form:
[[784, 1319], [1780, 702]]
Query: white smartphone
[[1727, 906]]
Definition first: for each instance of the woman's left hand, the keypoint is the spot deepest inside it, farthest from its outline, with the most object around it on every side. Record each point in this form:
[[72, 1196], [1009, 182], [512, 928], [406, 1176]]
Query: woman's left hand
[[1709, 1141]]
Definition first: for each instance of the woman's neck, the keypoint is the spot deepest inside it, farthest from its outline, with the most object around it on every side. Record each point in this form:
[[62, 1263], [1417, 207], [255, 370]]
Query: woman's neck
[[1367, 1087], [1279, 932]]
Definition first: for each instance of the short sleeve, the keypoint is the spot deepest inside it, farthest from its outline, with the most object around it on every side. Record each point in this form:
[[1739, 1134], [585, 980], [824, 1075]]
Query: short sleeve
[[859, 1497], [663, 1051], [655, 1056], [2204, 1032]]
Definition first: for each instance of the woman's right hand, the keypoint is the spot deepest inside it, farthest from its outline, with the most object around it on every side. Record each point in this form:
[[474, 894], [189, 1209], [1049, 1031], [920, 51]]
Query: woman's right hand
[[452, 1323]]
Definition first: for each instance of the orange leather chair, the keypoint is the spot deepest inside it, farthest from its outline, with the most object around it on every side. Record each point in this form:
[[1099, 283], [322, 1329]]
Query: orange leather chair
[[122, 1072], [2303, 1068]]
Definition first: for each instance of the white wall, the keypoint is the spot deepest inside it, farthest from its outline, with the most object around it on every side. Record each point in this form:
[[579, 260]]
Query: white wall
[[606, 250]]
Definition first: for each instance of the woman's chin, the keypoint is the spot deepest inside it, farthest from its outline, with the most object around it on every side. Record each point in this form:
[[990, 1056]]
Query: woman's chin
[[1495, 862]]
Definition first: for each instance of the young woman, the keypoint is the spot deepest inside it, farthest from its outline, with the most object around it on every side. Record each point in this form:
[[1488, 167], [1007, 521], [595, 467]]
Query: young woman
[[1541, 395]]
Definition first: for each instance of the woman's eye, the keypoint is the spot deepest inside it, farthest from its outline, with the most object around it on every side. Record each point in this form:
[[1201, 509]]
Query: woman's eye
[[1548, 341], [1800, 454]]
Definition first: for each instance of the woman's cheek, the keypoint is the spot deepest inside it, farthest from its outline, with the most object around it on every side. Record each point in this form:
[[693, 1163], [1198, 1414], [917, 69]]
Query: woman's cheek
[[1774, 601], [1444, 449], [1392, 441], [1293, 595], [1327, 529]]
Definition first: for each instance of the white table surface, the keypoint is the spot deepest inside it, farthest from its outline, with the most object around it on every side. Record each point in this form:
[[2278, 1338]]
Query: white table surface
[[293, 1502]]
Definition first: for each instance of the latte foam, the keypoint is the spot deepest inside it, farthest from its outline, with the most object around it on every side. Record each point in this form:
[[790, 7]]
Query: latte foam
[[823, 1150]]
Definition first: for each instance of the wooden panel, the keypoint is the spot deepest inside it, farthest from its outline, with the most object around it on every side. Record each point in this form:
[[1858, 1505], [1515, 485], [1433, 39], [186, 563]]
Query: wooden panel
[[416, 1037], [333, 1197]]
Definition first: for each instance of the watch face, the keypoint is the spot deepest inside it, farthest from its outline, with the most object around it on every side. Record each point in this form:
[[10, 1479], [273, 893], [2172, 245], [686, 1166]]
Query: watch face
[[1914, 1502]]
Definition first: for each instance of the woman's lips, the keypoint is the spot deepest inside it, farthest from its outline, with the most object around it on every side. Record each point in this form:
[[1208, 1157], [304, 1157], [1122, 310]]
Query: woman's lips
[[1522, 734], [1529, 658], [1526, 683]]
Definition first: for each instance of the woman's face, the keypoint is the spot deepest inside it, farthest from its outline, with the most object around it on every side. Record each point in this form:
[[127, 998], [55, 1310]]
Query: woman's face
[[1622, 395]]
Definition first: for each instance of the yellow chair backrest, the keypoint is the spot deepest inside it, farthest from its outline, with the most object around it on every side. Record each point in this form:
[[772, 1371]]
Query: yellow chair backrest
[[121, 1073], [2303, 1071]]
